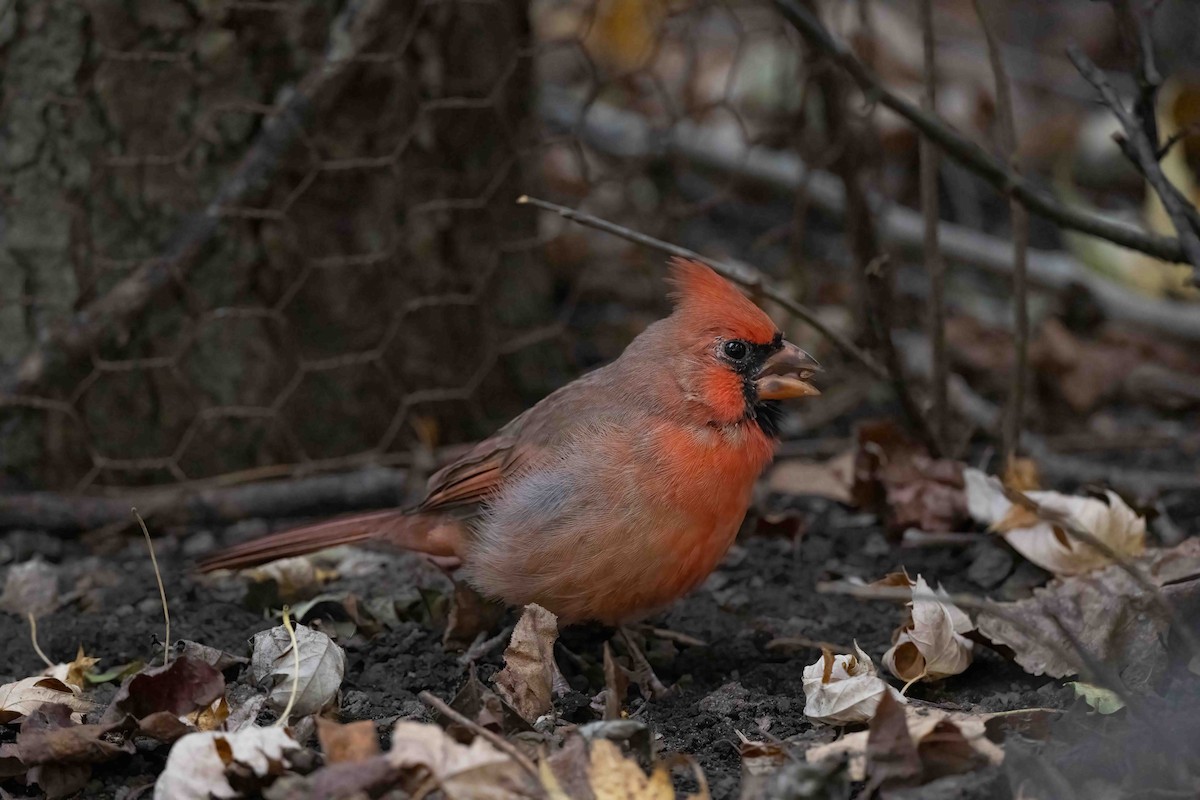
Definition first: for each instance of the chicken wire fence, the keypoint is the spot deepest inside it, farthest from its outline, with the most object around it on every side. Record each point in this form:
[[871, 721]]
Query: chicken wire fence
[[254, 238]]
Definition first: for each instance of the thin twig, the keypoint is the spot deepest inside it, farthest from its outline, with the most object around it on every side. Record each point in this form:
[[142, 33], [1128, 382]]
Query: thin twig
[[623, 134], [438, 705], [287, 625], [873, 263], [37, 648], [934, 264], [1136, 34], [745, 276], [1020, 235], [971, 155], [162, 593], [1144, 155]]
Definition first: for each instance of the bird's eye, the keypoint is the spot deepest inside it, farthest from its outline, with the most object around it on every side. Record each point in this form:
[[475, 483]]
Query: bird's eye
[[736, 349]]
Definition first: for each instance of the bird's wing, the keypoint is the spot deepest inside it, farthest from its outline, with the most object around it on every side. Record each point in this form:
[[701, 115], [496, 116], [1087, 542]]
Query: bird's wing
[[474, 477], [523, 442]]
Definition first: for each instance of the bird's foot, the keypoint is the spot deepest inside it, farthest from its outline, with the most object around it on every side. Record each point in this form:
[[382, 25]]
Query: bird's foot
[[643, 673]]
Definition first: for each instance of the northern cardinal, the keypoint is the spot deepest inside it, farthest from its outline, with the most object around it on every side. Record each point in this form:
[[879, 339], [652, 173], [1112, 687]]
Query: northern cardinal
[[619, 492]]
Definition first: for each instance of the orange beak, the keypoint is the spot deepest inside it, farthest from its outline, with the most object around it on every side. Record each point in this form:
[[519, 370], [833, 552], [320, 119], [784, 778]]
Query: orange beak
[[785, 375]]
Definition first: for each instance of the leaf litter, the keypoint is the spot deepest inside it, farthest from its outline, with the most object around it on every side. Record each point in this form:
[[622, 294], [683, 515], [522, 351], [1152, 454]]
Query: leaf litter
[[210, 726]]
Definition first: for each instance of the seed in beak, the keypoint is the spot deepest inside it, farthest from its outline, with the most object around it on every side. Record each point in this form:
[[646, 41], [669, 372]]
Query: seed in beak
[[784, 375]]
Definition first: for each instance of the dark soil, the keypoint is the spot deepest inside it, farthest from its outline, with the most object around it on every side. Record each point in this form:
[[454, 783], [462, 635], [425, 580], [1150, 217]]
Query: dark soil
[[735, 682]]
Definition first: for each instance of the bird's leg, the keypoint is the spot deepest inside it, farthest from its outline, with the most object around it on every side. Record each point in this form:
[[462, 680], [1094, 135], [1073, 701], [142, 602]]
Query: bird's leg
[[643, 673]]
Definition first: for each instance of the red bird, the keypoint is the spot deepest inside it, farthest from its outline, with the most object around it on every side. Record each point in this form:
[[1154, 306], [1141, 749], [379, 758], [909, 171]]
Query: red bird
[[619, 492]]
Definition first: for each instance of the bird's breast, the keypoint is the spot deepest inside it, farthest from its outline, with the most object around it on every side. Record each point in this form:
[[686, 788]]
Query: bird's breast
[[624, 521]]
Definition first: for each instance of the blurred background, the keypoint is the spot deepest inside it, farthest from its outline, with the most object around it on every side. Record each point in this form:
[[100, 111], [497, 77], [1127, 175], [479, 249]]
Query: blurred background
[[244, 240]]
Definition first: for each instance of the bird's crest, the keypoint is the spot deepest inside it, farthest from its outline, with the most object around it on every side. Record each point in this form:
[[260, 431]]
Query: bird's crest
[[707, 300]]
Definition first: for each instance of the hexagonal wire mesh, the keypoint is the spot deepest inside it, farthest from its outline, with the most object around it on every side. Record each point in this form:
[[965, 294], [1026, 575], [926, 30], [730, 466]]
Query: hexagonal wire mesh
[[303, 215]]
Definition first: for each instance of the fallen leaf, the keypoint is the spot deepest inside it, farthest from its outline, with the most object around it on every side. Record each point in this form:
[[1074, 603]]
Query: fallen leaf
[[351, 742], [844, 688], [1107, 612], [295, 578], [30, 588], [374, 777], [895, 475], [612, 776], [182, 687], [119, 672], [322, 666], [832, 479], [1045, 543], [218, 659], [530, 675], [23, 697], [1101, 700], [923, 723], [50, 736], [164, 727], [616, 685], [930, 644], [198, 764], [210, 718], [462, 772], [76, 673], [892, 759], [483, 706], [760, 760], [471, 614]]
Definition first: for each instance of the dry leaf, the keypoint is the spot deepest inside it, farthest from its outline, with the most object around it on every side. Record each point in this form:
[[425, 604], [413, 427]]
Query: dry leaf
[[354, 741], [210, 718], [482, 705], [22, 698], [844, 688], [196, 767], [75, 673], [895, 475], [1047, 544], [50, 736], [923, 723], [832, 479], [1101, 700], [616, 685], [182, 687], [892, 756], [295, 578], [322, 666], [1107, 612], [31, 588], [530, 675], [601, 771], [470, 615], [614, 777], [930, 644], [760, 761], [463, 772], [215, 658]]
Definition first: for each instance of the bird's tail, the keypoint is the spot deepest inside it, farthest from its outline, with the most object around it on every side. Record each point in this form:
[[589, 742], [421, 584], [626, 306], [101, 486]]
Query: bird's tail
[[423, 533]]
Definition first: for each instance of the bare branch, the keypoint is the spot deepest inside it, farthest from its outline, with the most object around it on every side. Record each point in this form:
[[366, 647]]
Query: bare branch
[[1020, 236], [1144, 155], [936, 267], [745, 276], [618, 133], [972, 156], [873, 263]]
